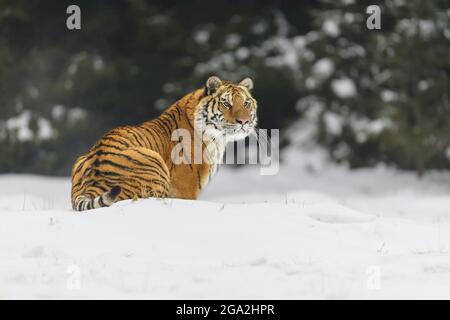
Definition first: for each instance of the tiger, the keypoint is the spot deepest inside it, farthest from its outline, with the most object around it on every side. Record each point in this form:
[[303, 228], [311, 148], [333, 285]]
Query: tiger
[[132, 162]]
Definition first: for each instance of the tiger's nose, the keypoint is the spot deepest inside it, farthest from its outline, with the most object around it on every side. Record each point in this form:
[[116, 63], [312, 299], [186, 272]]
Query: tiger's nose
[[242, 121]]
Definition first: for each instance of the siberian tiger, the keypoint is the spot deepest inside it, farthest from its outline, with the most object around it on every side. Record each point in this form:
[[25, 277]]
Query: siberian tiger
[[132, 162]]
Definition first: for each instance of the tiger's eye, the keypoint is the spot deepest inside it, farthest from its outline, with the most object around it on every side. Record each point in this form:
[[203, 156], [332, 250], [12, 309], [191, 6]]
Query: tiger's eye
[[226, 104]]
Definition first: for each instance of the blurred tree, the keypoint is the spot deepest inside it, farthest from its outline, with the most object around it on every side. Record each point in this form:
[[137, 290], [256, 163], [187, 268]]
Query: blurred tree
[[370, 96], [130, 60], [384, 94]]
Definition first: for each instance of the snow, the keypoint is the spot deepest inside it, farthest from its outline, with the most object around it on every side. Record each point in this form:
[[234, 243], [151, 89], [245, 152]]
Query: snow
[[21, 125], [45, 129], [389, 95], [331, 28], [333, 122], [74, 114], [365, 127], [323, 67], [232, 40], [412, 26], [344, 87], [314, 230], [202, 36]]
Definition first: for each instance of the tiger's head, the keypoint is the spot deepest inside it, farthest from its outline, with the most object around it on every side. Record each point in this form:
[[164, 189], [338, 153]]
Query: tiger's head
[[228, 109]]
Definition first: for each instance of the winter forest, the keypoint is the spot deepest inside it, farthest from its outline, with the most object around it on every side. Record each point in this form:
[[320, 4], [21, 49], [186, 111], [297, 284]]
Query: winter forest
[[367, 96]]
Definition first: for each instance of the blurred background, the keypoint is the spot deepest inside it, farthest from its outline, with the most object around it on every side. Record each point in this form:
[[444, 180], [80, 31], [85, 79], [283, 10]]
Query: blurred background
[[364, 96]]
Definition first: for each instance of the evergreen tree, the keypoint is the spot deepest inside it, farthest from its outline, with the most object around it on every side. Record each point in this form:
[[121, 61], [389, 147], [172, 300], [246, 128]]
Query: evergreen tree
[[383, 94]]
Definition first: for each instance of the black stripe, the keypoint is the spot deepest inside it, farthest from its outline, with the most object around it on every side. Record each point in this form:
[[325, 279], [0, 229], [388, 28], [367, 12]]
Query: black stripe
[[103, 189], [199, 182], [128, 194], [165, 127], [100, 202], [110, 173], [121, 182], [188, 121], [136, 136], [117, 141], [79, 166], [144, 136], [157, 163], [108, 146], [178, 111], [154, 139], [129, 133], [174, 119], [121, 154], [131, 170]]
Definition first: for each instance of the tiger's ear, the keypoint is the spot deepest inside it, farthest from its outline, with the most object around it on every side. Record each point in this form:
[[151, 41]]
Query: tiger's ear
[[248, 83], [212, 84]]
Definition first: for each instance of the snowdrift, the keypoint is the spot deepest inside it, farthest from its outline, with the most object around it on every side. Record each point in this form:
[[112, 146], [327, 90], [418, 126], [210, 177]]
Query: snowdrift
[[309, 232]]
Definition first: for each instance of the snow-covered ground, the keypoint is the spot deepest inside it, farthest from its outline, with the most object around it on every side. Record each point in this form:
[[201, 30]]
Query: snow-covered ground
[[314, 230]]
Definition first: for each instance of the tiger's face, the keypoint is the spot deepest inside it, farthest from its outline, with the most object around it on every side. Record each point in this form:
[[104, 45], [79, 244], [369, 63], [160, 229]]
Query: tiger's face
[[228, 109]]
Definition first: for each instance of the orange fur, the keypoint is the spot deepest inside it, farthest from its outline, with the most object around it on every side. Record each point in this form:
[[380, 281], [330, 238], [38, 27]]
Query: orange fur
[[135, 161]]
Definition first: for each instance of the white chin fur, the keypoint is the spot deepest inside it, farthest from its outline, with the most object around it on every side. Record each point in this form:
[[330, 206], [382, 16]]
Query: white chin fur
[[229, 136], [236, 136]]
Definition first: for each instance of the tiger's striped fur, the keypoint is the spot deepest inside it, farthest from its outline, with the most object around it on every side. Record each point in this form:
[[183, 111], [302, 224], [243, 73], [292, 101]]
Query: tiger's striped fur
[[132, 162]]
